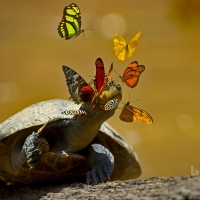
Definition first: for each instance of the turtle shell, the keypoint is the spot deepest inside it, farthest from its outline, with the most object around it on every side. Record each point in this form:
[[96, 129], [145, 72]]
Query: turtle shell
[[57, 166]]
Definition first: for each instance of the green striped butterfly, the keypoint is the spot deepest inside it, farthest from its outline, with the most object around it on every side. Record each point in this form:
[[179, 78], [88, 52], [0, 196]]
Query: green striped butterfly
[[70, 26], [74, 112]]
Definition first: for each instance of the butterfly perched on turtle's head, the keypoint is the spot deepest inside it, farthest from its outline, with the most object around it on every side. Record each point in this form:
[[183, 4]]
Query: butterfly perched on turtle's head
[[100, 73], [102, 79], [79, 89]]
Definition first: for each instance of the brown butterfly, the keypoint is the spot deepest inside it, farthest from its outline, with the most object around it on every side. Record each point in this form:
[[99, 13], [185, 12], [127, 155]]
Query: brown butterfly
[[132, 73], [79, 89], [132, 114]]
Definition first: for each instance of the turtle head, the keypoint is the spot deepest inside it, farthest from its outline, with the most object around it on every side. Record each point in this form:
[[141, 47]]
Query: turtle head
[[111, 91]]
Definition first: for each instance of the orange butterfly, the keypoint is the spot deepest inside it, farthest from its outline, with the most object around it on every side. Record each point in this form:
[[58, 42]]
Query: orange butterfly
[[132, 114], [132, 73]]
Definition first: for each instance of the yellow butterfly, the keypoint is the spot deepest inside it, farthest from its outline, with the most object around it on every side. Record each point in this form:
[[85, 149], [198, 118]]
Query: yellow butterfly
[[122, 50]]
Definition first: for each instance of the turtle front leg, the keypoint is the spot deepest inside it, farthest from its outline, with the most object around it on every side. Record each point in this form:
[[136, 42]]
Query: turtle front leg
[[102, 161], [33, 147]]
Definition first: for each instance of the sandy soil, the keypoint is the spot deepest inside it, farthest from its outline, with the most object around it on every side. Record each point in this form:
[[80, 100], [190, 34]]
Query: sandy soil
[[176, 188]]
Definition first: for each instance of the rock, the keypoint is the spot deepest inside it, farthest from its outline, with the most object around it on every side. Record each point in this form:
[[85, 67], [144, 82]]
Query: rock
[[155, 188]]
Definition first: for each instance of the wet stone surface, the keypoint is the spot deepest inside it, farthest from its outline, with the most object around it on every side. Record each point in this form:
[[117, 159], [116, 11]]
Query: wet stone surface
[[176, 188]]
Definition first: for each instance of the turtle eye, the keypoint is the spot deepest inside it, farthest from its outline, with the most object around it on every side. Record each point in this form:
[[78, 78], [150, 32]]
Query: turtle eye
[[118, 86]]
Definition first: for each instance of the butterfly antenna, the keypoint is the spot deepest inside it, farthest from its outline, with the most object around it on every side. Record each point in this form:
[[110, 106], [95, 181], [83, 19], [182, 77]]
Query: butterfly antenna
[[110, 70], [135, 100], [83, 30], [118, 74], [88, 28], [42, 128], [91, 83], [116, 77], [123, 101], [115, 72]]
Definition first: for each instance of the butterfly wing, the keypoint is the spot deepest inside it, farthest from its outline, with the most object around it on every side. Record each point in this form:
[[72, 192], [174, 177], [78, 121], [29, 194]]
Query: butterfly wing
[[123, 51], [132, 45], [119, 47], [86, 92], [99, 73], [70, 26], [77, 85], [132, 114], [107, 80], [132, 74]]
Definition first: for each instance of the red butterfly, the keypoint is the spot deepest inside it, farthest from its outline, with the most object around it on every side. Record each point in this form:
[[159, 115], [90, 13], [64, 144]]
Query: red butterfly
[[132, 73], [99, 73], [87, 91], [101, 79]]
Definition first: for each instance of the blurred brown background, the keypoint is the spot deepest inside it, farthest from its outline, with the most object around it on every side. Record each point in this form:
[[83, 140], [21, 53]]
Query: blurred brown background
[[32, 53]]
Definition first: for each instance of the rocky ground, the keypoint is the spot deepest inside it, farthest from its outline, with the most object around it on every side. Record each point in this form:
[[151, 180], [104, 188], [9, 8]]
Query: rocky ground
[[176, 188]]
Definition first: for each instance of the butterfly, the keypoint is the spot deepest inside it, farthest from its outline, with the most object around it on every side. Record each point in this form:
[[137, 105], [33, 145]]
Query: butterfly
[[39, 132], [132, 114], [122, 50], [101, 78], [110, 105], [132, 73], [74, 112], [79, 89], [41, 144], [70, 26], [100, 73]]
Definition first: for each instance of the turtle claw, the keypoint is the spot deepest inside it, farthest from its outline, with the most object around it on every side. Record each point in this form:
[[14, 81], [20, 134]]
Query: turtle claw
[[92, 177], [33, 148], [102, 162], [102, 178], [96, 175]]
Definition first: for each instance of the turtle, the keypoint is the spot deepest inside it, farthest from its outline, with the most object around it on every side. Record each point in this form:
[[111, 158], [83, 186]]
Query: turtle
[[80, 148]]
